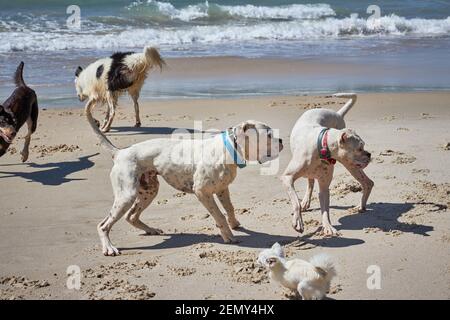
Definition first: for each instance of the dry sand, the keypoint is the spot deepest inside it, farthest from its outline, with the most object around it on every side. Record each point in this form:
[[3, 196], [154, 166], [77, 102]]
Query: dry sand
[[51, 205]]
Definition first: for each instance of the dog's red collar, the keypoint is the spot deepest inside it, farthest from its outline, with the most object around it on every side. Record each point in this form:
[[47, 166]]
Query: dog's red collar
[[322, 147]]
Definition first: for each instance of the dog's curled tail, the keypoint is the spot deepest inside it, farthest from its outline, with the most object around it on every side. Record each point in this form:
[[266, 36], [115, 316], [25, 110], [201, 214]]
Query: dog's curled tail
[[18, 76], [153, 57], [104, 141], [348, 105], [324, 265]]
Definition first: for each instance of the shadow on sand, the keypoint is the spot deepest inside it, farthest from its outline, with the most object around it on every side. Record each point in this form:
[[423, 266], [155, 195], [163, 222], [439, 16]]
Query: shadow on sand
[[385, 217], [252, 239], [53, 173]]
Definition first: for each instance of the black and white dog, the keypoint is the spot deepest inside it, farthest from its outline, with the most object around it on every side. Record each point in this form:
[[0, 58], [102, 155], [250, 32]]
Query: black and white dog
[[104, 80], [20, 107]]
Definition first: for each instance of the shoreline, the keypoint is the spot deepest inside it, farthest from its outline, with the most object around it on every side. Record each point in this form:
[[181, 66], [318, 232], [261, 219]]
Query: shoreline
[[224, 77]]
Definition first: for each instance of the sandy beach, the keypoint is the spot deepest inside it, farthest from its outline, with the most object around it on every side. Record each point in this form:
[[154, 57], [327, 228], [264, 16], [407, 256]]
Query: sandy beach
[[50, 207]]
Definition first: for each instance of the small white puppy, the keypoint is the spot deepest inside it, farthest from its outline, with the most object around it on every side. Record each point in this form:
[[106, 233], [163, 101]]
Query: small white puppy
[[310, 279]]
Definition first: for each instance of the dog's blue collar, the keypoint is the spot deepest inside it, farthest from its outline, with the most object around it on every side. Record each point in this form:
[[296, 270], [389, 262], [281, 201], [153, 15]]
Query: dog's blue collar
[[232, 150]]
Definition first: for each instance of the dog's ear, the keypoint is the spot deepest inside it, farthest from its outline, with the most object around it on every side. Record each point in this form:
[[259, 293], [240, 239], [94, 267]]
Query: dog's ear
[[343, 138], [78, 71], [248, 126], [278, 249]]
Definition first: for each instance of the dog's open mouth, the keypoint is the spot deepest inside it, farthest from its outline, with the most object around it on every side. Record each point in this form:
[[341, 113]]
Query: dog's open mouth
[[5, 137]]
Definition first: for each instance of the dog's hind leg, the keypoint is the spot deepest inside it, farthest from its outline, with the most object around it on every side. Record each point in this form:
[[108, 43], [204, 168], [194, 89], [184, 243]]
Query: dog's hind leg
[[26, 146], [105, 121], [293, 171], [148, 189], [112, 104], [125, 192], [306, 202], [208, 201], [366, 184], [135, 97], [305, 290], [225, 200]]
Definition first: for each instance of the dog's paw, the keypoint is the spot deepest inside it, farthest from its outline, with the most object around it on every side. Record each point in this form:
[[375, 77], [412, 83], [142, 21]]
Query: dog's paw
[[357, 209], [234, 223], [110, 250], [153, 232], [104, 130], [24, 156], [305, 205], [329, 231], [137, 125], [297, 224]]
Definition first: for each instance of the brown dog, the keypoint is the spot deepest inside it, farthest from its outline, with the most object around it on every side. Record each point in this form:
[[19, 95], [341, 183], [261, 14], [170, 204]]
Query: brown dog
[[19, 108]]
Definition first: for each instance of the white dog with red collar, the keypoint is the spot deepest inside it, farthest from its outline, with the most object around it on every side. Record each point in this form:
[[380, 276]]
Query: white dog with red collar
[[318, 140]]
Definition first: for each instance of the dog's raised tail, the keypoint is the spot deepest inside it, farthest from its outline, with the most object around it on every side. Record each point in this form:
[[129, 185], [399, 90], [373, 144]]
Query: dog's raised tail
[[154, 58], [348, 105], [18, 76], [104, 141], [324, 264]]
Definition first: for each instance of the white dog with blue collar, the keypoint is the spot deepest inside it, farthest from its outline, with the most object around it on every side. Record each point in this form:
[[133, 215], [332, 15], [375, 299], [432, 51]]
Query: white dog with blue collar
[[204, 167]]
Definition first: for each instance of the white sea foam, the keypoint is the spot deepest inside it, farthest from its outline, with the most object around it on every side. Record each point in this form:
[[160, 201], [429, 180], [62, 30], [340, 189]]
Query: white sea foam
[[206, 9], [334, 28]]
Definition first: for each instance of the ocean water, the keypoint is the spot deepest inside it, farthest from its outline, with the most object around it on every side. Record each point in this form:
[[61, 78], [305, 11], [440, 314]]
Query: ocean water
[[398, 33]]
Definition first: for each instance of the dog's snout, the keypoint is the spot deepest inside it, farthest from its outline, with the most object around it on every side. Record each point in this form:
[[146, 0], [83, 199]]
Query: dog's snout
[[280, 141]]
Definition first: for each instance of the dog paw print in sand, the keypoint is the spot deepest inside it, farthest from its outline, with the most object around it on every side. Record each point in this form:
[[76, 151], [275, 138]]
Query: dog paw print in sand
[[342, 188], [446, 146], [182, 271], [400, 157], [19, 287], [241, 265], [109, 281], [423, 172], [44, 150], [12, 150]]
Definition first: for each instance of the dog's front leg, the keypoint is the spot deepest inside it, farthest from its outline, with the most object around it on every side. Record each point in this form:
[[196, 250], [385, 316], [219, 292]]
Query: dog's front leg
[[208, 201], [225, 200], [365, 182], [324, 198], [292, 172], [26, 146]]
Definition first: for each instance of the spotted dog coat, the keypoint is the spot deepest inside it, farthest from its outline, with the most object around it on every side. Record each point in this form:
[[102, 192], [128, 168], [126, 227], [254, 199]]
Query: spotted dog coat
[[199, 166], [104, 80]]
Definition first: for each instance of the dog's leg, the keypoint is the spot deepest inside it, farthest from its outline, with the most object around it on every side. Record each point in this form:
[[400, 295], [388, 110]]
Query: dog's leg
[[135, 97], [225, 200], [208, 201], [306, 202], [305, 290], [105, 121], [112, 104], [26, 146], [148, 190], [292, 173], [365, 182], [125, 193], [324, 198]]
